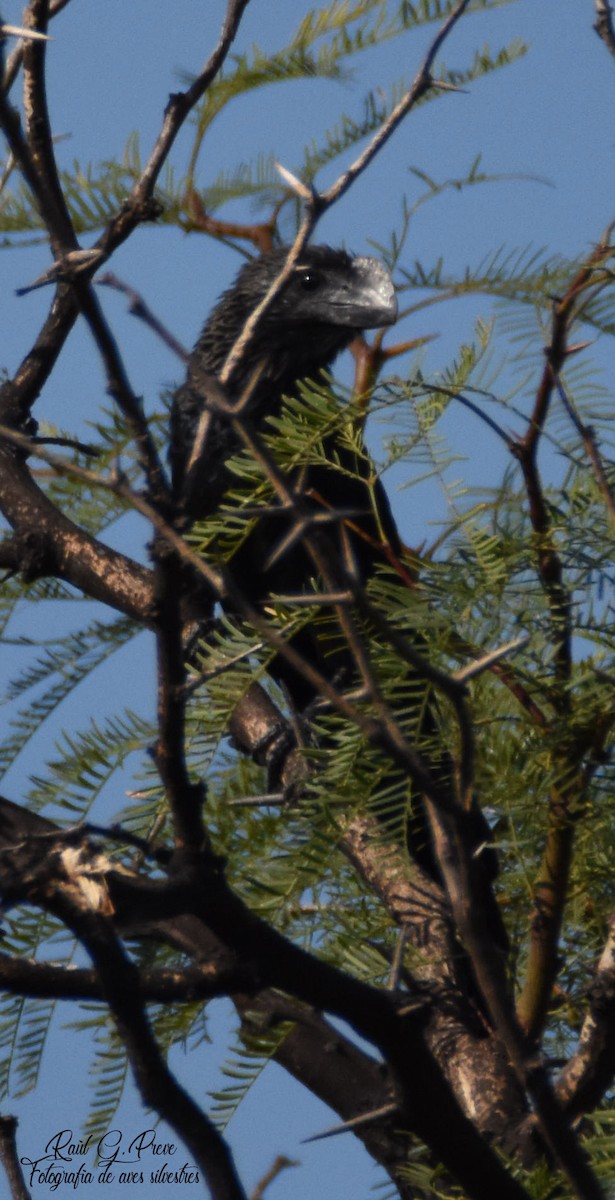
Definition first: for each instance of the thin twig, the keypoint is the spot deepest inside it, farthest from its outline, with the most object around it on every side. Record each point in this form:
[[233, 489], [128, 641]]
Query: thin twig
[[118, 386], [551, 888], [16, 58], [316, 204], [280, 1164], [422, 83], [588, 437], [268, 800], [18, 394], [261, 235], [465, 401], [140, 309], [377, 1114], [487, 661], [197, 680], [182, 103], [19, 31]]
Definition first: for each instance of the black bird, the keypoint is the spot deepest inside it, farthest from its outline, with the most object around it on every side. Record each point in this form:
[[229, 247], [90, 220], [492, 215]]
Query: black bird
[[329, 298]]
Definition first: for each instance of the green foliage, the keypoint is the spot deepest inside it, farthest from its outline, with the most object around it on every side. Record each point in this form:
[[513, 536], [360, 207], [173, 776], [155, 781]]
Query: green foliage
[[108, 1070], [93, 195], [25, 1022], [323, 47], [478, 587], [58, 669], [245, 1064]]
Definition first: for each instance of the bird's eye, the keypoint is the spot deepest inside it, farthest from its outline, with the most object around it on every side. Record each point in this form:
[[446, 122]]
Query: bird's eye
[[309, 281]]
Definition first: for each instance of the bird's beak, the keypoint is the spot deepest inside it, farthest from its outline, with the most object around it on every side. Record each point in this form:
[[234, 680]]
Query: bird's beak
[[373, 301]]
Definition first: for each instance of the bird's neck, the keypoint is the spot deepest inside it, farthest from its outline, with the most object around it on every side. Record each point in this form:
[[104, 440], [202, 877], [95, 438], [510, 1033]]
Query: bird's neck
[[271, 369]]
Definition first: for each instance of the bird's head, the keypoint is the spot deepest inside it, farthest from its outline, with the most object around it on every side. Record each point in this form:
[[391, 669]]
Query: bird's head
[[328, 299], [327, 287]]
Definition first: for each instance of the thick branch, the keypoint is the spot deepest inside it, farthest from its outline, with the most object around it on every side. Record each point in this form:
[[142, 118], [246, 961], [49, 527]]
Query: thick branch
[[158, 1087], [185, 798], [327, 1063], [46, 542], [590, 1071], [10, 1159], [49, 193], [33, 870], [549, 898], [204, 981], [18, 396]]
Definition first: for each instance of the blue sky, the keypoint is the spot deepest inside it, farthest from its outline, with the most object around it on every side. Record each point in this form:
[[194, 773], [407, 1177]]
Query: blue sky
[[111, 67]]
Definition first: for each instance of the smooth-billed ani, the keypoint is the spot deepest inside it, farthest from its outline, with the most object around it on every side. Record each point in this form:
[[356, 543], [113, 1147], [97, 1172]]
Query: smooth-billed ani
[[328, 300]]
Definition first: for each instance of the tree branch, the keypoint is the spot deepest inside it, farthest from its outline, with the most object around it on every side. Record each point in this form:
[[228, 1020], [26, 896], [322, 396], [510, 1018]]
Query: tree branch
[[200, 900], [158, 1087], [204, 981], [47, 542], [589, 1072], [48, 192], [566, 797], [16, 58], [119, 388], [18, 395], [10, 1159], [422, 83], [181, 104], [604, 24]]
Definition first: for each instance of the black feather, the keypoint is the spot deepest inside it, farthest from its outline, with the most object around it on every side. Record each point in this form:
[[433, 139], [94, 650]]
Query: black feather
[[328, 300]]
